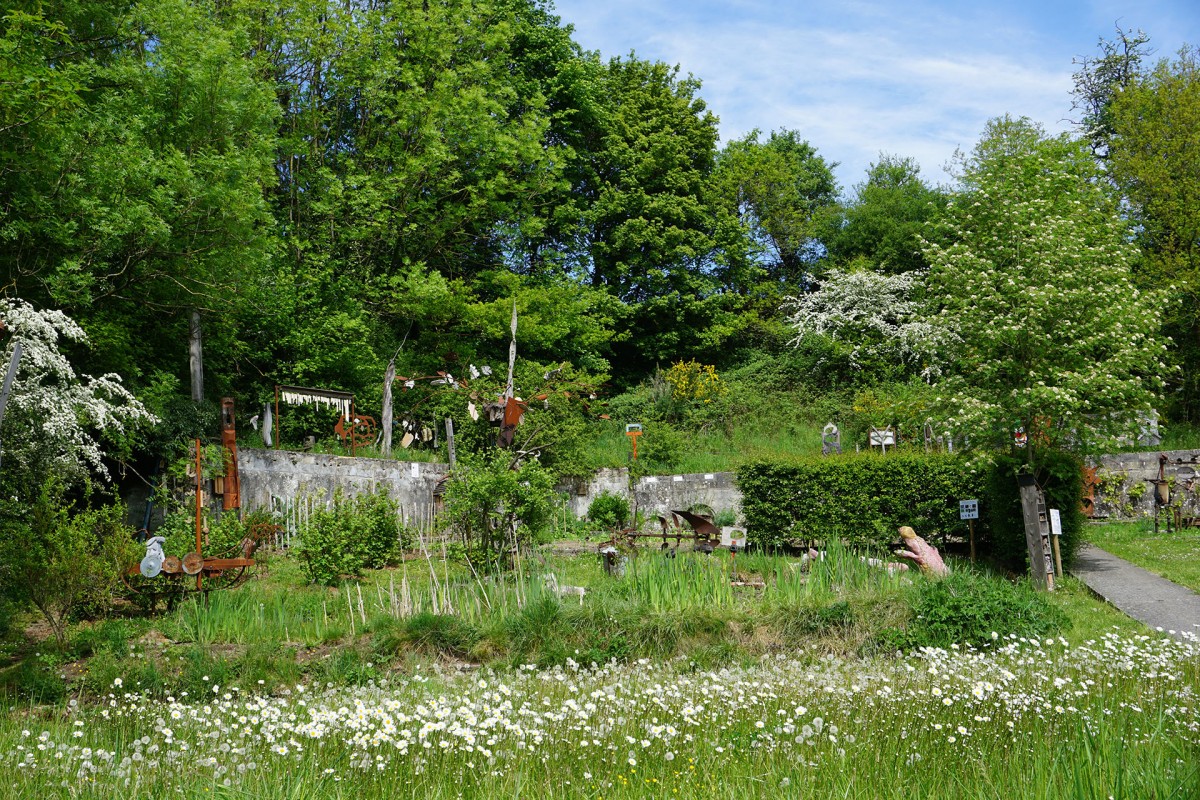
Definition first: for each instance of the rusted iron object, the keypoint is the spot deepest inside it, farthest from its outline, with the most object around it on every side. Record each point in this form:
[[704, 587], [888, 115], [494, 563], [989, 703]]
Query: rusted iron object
[[359, 432], [231, 498], [705, 535]]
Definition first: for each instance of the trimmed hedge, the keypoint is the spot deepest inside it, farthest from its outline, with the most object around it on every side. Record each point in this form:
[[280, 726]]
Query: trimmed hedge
[[861, 498], [1061, 479]]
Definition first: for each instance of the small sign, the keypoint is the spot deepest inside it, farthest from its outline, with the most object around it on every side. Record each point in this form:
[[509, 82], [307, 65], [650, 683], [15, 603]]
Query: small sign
[[1055, 522], [733, 537], [884, 437], [968, 509]]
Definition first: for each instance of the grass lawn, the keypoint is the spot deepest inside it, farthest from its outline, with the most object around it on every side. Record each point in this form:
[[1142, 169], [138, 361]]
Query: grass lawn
[[430, 681], [1175, 556]]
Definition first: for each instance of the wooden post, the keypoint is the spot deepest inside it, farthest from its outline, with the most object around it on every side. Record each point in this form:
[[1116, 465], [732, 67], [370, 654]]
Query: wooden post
[[389, 378], [276, 416], [1037, 533], [196, 357], [199, 499], [450, 440], [353, 423]]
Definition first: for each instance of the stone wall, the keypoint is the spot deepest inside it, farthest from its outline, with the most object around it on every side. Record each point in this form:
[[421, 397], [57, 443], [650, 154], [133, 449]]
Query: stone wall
[[658, 494], [1124, 489], [581, 493], [279, 480]]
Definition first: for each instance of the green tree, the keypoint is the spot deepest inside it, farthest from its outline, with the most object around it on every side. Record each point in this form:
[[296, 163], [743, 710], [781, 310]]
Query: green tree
[[781, 192], [1153, 161], [1035, 279], [885, 221], [140, 199]]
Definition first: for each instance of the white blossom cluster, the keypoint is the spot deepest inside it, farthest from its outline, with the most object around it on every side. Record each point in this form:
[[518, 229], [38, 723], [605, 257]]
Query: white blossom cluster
[[54, 414], [1035, 283], [818, 712], [875, 314]]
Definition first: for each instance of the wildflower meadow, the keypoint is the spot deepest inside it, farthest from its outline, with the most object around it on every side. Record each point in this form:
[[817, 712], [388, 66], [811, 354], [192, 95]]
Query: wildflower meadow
[[1115, 716]]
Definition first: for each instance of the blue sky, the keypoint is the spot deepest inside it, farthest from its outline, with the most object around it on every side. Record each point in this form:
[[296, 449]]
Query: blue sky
[[859, 78]]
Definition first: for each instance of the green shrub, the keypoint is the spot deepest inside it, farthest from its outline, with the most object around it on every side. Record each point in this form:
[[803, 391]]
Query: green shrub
[[968, 607], [609, 511], [65, 562], [659, 449], [860, 498], [351, 535]]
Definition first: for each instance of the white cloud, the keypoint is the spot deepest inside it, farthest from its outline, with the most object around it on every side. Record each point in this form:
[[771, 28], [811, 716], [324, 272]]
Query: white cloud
[[914, 80]]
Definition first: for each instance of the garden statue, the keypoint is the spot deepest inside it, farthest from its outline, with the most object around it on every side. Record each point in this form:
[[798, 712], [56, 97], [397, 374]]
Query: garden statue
[[924, 554]]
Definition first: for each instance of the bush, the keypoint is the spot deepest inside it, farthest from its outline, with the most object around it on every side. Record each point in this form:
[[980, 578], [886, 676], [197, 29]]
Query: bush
[[609, 511], [61, 560], [496, 507], [1061, 479], [350, 536], [861, 498], [967, 607]]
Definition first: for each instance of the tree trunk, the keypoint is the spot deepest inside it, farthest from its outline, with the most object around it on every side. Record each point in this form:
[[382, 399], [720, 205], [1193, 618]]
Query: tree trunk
[[196, 357]]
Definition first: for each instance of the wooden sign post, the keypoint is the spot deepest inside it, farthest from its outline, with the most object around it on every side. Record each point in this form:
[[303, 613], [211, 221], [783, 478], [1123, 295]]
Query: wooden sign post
[[1055, 534], [633, 431], [969, 510]]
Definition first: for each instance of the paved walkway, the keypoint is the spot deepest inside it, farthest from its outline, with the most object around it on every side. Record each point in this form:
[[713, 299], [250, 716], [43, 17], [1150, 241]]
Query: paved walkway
[[1141, 594]]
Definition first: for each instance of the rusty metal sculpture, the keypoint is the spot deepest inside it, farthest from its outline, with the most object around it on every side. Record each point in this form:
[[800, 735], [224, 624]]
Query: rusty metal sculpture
[[359, 432], [705, 535], [167, 575]]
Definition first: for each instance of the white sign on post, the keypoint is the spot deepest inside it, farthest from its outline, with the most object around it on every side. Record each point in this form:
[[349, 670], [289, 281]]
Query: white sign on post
[[968, 509], [1055, 522]]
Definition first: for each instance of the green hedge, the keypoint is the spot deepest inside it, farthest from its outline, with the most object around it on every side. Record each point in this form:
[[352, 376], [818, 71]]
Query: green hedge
[[864, 498], [861, 498], [1061, 479]]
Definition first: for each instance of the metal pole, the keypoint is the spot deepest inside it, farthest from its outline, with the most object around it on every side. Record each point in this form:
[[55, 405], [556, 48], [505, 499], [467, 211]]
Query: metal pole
[[971, 524], [199, 490]]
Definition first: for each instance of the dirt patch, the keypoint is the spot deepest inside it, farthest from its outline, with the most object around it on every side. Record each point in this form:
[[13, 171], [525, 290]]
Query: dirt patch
[[152, 638], [39, 631]]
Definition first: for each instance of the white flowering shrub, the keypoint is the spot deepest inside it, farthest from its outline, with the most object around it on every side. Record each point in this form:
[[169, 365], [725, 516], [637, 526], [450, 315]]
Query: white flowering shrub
[[56, 417], [1034, 281], [876, 316]]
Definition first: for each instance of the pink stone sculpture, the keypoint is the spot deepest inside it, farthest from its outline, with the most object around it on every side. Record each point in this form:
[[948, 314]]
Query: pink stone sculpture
[[923, 553]]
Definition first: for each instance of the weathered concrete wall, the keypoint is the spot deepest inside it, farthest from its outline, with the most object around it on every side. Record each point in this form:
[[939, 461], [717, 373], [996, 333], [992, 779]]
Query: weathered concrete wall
[[581, 493], [1124, 489], [658, 494], [276, 480]]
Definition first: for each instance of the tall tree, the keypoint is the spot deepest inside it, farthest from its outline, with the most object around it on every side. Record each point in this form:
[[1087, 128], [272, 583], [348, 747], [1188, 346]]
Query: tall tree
[[884, 222], [1100, 79], [1154, 160], [781, 191], [141, 202], [1035, 280]]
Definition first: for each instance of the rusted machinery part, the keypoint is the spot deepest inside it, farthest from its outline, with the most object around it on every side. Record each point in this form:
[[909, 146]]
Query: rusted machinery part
[[700, 525]]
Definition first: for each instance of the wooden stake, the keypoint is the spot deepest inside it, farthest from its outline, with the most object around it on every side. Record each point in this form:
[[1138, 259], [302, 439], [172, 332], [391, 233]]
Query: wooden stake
[[199, 492], [1057, 555]]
